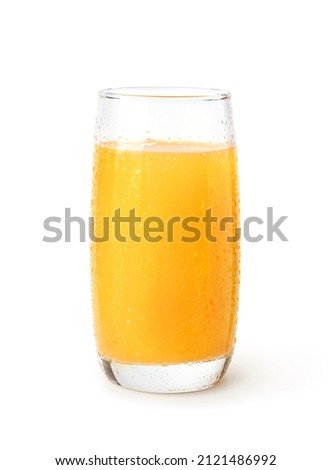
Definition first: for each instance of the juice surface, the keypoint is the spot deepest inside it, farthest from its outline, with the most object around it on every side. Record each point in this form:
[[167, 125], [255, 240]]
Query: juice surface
[[165, 302]]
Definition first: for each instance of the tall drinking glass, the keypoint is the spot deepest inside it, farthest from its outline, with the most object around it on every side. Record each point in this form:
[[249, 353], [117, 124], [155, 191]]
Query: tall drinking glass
[[165, 248]]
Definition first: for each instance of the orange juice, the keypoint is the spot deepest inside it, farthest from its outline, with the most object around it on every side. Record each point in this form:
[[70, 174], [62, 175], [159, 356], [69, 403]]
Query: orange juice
[[165, 301]]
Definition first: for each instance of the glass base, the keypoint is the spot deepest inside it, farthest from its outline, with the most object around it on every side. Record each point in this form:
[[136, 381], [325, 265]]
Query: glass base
[[173, 378]]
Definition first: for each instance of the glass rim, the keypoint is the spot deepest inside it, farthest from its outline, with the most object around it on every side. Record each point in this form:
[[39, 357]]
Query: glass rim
[[166, 93]]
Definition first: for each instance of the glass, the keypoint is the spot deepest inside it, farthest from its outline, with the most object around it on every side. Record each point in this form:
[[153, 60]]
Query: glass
[[165, 248]]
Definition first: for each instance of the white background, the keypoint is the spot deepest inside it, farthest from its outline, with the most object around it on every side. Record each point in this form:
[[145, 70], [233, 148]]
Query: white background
[[275, 57]]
